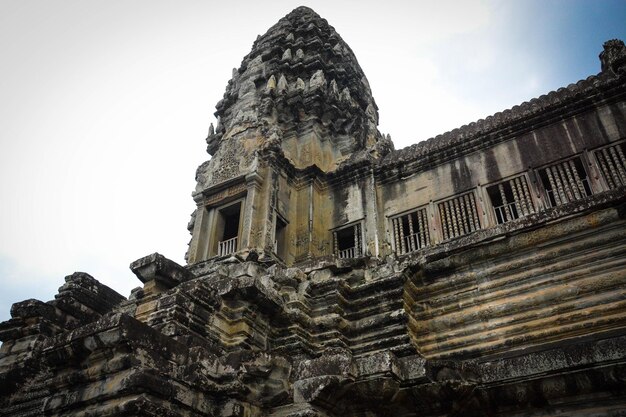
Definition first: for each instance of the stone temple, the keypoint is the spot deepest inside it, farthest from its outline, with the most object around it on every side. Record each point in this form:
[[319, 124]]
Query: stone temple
[[479, 273]]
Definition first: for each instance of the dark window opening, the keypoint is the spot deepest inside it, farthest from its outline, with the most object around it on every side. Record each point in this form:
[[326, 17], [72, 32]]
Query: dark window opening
[[503, 202], [345, 239], [548, 187], [348, 242], [280, 238], [458, 216], [565, 182], [410, 231], [228, 229], [511, 199]]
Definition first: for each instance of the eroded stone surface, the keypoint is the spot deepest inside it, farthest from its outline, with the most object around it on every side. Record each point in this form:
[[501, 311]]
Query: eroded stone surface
[[481, 272]]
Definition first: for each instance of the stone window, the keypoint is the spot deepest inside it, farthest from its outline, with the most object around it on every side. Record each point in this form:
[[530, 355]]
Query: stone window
[[280, 238], [459, 216], [564, 182], [227, 229], [348, 242], [410, 231], [612, 163], [511, 199]]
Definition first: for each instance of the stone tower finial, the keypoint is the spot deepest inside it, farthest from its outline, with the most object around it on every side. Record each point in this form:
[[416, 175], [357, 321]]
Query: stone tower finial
[[303, 10], [613, 58]]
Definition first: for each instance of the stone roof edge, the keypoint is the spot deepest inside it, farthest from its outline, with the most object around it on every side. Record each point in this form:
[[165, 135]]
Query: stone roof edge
[[536, 107]]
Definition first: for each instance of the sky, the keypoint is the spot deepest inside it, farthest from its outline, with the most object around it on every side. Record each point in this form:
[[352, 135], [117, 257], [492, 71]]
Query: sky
[[105, 106]]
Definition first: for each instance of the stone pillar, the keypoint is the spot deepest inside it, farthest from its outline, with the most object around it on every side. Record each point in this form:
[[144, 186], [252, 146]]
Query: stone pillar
[[250, 236], [199, 239]]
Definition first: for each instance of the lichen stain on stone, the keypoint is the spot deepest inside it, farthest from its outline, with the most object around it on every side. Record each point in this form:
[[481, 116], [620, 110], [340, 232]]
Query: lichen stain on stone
[[497, 310]]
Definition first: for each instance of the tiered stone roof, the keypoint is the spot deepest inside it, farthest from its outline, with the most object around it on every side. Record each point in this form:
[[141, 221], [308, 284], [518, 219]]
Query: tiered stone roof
[[300, 76]]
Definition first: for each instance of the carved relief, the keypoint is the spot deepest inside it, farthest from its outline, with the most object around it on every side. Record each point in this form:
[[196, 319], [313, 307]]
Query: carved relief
[[302, 244], [228, 192], [322, 246], [228, 165]]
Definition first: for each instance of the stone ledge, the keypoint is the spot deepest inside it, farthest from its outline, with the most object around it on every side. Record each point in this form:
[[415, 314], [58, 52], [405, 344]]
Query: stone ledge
[[156, 267]]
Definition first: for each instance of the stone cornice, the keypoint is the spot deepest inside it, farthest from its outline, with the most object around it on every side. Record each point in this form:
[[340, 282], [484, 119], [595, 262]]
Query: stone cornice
[[546, 109], [357, 167]]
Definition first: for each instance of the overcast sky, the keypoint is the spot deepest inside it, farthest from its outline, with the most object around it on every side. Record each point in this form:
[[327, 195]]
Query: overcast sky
[[105, 105]]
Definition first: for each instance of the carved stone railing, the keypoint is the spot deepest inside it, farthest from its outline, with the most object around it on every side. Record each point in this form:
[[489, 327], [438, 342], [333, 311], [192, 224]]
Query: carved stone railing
[[612, 163], [413, 242], [565, 182], [506, 212], [347, 253], [459, 216], [227, 247]]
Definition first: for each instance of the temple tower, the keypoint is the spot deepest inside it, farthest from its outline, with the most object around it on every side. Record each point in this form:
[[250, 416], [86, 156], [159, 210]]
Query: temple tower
[[296, 110]]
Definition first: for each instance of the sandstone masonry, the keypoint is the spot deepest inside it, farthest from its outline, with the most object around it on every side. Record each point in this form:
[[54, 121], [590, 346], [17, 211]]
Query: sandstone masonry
[[479, 273]]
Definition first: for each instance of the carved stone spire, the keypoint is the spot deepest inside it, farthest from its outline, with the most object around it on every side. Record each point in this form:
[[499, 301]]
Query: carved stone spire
[[301, 78], [613, 58]]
